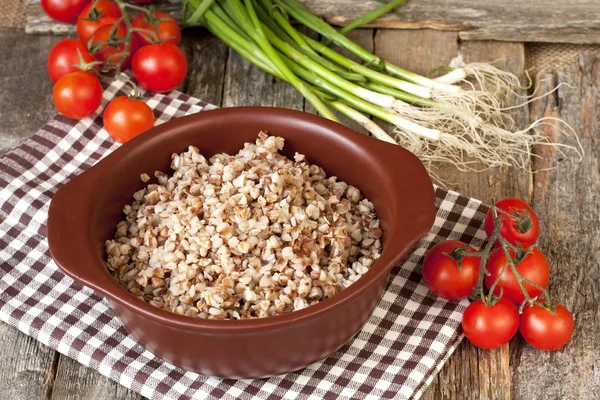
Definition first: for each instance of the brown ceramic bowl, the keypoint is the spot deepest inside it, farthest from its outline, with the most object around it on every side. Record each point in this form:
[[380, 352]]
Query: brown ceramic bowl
[[84, 213]]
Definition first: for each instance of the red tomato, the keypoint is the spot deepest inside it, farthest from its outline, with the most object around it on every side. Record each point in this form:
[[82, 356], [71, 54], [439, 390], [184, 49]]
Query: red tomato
[[106, 52], [533, 267], [442, 274], [523, 227], [168, 29], [91, 18], [77, 95], [159, 67], [64, 57], [126, 118], [545, 330], [489, 327], [64, 10]]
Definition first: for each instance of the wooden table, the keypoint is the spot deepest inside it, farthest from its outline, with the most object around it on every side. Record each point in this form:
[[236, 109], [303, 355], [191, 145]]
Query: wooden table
[[566, 199]]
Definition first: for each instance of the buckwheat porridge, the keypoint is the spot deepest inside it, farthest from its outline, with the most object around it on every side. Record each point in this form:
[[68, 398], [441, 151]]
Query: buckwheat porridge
[[245, 236]]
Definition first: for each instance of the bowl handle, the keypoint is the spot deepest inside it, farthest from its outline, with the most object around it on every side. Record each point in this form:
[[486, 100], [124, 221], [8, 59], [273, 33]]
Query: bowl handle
[[69, 229], [396, 161]]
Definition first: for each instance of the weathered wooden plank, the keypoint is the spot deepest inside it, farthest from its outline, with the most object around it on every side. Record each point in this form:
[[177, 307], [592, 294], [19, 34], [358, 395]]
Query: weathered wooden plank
[[570, 21], [74, 382], [557, 34], [566, 198], [574, 21], [247, 85], [470, 373], [26, 94], [207, 59], [418, 51], [467, 375], [27, 369]]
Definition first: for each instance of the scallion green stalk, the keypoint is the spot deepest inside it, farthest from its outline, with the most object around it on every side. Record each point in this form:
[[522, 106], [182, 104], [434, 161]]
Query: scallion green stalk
[[395, 12], [400, 95], [229, 21], [259, 37], [371, 16], [379, 99], [360, 104], [304, 16], [284, 31], [237, 43], [376, 76], [363, 120], [205, 5]]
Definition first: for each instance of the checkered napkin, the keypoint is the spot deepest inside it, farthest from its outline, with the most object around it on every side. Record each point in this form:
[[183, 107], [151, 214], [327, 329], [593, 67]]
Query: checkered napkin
[[396, 355]]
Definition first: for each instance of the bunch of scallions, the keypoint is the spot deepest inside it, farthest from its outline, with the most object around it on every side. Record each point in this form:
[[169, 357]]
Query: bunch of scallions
[[458, 118]]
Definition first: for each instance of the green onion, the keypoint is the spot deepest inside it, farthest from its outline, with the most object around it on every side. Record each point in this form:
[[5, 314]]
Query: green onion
[[303, 15], [285, 31], [433, 118], [260, 38], [368, 124], [197, 15], [371, 16], [367, 72], [366, 94], [396, 13]]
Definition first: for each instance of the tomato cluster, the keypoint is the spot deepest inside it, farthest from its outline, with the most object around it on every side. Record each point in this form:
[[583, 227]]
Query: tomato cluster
[[110, 41], [515, 273]]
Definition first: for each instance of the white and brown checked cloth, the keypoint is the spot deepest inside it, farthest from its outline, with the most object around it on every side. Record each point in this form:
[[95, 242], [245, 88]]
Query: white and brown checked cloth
[[396, 355]]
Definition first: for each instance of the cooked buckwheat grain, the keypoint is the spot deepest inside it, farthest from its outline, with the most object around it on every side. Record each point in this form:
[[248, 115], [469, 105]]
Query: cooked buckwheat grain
[[244, 236]]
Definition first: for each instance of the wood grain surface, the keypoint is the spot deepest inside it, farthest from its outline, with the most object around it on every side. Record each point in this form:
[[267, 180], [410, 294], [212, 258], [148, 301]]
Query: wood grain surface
[[28, 368], [565, 197], [26, 93], [568, 21]]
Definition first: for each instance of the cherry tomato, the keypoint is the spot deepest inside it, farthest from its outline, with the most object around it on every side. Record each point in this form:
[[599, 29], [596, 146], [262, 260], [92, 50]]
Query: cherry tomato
[[159, 67], [534, 267], [545, 330], [442, 274], [64, 10], [104, 51], [126, 118], [64, 57], [489, 327], [168, 29], [105, 12], [77, 95], [523, 227]]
